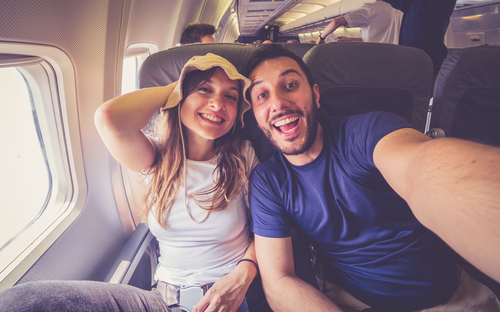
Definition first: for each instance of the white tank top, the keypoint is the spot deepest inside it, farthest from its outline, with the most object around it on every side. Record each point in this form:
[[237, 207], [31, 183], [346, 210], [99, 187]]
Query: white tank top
[[197, 253]]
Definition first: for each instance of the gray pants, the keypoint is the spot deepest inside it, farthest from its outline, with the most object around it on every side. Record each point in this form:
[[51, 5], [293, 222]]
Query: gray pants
[[80, 296]]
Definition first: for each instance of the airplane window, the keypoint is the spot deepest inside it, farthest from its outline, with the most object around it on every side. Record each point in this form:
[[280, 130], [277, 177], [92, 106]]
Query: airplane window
[[134, 56], [130, 69], [42, 188], [26, 183]]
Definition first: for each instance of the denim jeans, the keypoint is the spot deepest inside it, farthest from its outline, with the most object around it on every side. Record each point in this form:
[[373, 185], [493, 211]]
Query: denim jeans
[[73, 296]]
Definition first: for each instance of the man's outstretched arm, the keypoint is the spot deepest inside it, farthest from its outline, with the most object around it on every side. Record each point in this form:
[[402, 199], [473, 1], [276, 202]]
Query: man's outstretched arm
[[284, 290], [452, 187]]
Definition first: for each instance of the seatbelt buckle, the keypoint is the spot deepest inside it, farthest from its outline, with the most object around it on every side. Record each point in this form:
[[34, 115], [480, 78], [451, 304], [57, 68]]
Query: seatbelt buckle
[[190, 296]]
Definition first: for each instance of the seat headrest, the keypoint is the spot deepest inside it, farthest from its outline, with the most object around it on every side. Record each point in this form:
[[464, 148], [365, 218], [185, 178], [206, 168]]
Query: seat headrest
[[467, 94], [164, 67], [299, 48], [358, 77]]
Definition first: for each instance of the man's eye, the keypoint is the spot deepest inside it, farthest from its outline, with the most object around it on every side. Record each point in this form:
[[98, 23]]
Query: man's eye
[[291, 85], [262, 95]]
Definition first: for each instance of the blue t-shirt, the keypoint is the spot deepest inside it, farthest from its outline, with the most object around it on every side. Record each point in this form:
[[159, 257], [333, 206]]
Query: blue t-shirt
[[379, 251]]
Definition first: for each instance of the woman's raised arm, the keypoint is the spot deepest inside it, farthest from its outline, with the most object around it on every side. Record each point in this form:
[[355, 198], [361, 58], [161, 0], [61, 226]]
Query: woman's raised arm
[[120, 120]]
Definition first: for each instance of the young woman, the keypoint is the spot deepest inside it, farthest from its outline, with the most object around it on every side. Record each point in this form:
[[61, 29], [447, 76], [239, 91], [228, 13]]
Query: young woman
[[197, 168]]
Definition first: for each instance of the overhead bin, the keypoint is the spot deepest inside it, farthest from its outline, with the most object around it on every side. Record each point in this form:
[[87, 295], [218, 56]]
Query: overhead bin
[[334, 10]]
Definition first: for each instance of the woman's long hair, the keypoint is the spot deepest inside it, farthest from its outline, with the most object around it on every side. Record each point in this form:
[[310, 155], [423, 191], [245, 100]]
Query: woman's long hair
[[166, 174]]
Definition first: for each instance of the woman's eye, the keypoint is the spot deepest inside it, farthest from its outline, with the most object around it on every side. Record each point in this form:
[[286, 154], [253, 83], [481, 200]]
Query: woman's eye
[[232, 98], [203, 89]]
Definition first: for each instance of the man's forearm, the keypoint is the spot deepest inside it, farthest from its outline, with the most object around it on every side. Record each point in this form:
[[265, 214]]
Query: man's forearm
[[290, 293], [456, 193]]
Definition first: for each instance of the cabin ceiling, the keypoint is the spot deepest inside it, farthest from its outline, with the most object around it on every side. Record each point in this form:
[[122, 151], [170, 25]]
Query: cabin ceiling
[[253, 15]]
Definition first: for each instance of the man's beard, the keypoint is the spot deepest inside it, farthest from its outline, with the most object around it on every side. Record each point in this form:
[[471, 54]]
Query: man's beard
[[310, 135]]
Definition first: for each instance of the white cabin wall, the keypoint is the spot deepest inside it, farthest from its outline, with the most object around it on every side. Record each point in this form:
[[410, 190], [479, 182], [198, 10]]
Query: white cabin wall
[[214, 10], [160, 22], [88, 32]]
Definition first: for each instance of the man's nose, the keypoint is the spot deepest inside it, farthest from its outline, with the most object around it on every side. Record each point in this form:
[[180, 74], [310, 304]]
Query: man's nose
[[279, 101]]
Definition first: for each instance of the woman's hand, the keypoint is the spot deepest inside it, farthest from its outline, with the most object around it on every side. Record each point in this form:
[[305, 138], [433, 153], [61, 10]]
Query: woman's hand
[[227, 294]]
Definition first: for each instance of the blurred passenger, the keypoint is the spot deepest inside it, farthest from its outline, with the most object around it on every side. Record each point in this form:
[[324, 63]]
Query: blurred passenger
[[198, 33], [379, 22], [267, 41], [424, 25], [257, 41]]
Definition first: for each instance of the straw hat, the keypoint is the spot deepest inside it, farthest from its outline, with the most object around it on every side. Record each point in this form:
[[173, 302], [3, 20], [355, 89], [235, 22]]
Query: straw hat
[[203, 63]]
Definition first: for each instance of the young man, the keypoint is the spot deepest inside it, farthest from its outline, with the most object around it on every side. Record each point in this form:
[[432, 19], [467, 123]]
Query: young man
[[355, 187], [198, 33], [379, 22]]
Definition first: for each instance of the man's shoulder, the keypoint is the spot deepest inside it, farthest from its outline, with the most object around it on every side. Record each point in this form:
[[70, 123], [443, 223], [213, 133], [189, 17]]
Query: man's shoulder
[[271, 165], [361, 124], [375, 116]]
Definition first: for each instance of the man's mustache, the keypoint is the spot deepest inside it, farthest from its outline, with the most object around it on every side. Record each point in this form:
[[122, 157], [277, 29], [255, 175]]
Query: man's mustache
[[285, 113]]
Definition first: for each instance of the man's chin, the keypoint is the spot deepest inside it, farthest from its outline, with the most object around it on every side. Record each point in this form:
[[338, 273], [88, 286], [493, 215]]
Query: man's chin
[[288, 148]]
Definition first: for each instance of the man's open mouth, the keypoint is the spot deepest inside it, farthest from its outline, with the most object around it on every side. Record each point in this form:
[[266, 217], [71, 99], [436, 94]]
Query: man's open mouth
[[287, 125]]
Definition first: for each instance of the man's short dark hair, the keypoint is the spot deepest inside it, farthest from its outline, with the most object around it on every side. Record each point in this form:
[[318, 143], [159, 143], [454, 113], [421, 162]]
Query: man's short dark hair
[[194, 32], [272, 51]]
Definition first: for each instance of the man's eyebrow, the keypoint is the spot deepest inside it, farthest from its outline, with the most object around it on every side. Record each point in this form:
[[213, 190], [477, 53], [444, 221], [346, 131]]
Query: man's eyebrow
[[286, 72], [253, 85]]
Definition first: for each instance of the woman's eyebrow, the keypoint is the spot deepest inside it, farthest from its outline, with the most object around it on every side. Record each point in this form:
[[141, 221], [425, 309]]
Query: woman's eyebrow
[[209, 81]]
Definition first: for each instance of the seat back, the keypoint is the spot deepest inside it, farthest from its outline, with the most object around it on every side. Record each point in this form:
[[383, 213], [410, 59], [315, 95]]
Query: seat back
[[164, 67], [299, 48], [467, 95], [359, 77]]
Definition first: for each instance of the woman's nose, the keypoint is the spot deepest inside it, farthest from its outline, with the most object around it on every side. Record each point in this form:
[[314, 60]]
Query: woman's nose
[[217, 102]]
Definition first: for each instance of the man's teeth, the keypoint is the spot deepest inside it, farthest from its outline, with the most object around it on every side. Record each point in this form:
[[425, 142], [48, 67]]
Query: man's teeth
[[211, 118], [285, 121]]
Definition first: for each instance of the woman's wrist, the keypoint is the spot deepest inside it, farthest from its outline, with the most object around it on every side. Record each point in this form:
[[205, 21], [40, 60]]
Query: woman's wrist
[[249, 267]]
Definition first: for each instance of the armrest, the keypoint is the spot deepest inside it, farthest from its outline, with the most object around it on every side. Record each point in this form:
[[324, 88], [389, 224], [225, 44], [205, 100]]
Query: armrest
[[126, 263], [436, 133]]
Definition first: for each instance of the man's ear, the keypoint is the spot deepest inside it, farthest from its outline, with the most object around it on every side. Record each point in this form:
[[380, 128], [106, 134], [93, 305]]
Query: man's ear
[[315, 90]]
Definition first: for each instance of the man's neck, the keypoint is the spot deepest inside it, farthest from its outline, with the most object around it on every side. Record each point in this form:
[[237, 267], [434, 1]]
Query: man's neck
[[311, 153]]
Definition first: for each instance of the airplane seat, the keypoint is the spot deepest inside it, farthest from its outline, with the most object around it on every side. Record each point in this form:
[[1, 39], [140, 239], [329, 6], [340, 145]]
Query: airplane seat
[[467, 106], [299, 48], [466, 100], [359, 77]]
